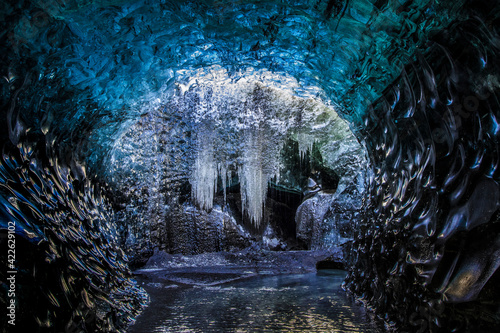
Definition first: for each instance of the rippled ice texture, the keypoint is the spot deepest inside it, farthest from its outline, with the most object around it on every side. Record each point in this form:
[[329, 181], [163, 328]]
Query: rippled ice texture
[[111, 61], [70, 272]]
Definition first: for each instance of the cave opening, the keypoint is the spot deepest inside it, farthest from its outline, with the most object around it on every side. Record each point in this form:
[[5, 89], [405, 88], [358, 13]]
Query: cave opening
[[139, 132], [222, 166]]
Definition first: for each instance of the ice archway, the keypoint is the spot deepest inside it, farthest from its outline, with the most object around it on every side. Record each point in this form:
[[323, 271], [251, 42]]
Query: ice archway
[[417, 81]]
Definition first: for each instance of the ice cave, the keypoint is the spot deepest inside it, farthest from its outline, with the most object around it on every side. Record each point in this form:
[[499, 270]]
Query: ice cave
[[157, 148]]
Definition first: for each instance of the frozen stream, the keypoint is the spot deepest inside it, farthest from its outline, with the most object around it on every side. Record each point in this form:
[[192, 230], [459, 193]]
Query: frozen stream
[[312, 302]]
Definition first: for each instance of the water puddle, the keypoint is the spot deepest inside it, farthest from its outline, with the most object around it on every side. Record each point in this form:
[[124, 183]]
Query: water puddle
[[312, 302]]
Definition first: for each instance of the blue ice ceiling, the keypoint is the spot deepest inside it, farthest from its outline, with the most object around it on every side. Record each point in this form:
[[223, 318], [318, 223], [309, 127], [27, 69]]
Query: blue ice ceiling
[[117, 60], [400, 99]]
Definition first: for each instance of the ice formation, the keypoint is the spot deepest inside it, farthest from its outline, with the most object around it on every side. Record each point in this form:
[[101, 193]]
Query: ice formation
[[232, 129], [253, 178], [163, 102], [204, 178]]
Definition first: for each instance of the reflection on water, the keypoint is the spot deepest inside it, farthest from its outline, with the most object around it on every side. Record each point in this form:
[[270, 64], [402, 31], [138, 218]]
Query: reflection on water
[[282, 303]]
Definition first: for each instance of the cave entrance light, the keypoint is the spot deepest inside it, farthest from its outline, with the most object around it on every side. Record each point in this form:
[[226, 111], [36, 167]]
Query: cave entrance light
[[219, 129]]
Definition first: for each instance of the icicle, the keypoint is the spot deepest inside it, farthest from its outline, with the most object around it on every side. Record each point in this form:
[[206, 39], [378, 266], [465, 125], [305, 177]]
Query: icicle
[[204, 176], [253, 180], [223, 177], [306, 143]]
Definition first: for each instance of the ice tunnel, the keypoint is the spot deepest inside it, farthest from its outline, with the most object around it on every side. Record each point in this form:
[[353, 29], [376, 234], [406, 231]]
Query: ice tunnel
[[134, 129]]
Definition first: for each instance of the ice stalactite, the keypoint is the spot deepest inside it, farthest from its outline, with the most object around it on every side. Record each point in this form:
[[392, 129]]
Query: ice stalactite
[[253, 179], [306, 143], [204, 182], [224, 176]]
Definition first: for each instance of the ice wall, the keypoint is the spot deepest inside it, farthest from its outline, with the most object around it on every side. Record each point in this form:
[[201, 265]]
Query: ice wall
[[426, 253], [68, 270]]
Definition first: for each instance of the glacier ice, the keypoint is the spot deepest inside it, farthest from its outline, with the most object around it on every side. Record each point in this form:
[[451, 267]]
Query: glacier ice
[[432, 203], [216, 132], [168, 102]]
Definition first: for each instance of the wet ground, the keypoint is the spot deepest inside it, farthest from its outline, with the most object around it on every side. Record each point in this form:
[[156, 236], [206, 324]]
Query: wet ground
[[248, 291], [311, 302]]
